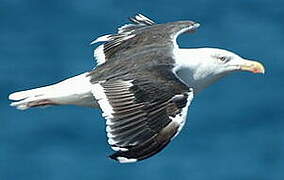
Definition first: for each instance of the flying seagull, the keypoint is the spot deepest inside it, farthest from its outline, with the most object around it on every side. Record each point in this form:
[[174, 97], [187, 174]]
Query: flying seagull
[[143, 83]]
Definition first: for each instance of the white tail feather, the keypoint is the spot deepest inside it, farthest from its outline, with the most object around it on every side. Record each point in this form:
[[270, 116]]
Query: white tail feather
[[32, 92], [75, 90]]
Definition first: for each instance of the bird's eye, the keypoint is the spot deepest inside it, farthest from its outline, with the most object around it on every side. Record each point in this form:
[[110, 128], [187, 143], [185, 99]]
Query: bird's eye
[[223, 59]]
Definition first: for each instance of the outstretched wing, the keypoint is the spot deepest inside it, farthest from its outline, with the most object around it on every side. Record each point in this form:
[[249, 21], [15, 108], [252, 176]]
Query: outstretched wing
[[140, 36], [143, 112]]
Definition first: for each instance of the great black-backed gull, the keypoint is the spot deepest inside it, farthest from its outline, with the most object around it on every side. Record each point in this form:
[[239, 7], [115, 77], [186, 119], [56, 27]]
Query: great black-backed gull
[[143, 83]]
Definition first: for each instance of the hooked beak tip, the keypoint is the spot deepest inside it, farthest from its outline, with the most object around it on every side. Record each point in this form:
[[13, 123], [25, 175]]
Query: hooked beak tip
[[252, 66]]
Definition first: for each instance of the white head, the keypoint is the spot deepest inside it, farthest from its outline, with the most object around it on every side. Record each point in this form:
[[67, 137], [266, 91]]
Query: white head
[[202, 66]]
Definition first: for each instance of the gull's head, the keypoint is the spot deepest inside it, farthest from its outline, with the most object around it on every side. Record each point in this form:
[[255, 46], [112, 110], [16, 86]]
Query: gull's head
[[219, 61], [202, 66]]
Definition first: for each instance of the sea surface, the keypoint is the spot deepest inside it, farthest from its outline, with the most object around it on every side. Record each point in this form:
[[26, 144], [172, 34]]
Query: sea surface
[[235, 128]]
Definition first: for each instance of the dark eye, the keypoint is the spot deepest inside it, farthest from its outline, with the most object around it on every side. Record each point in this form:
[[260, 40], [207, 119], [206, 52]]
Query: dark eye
[[224, 59]]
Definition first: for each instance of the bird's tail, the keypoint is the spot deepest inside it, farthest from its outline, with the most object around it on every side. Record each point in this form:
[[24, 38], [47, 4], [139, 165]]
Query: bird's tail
[[75, 90]]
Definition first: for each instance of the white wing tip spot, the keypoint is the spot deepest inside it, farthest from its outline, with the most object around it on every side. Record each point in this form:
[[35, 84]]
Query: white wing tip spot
[[101, 39], [115, 148], [141, 17], [126, 160]]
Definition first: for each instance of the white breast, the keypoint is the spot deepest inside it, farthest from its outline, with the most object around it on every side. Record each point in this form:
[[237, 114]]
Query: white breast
[[187, 63], [195, 67]]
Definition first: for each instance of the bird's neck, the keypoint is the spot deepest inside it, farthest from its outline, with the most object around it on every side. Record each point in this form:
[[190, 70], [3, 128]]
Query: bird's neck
[[190, 69]]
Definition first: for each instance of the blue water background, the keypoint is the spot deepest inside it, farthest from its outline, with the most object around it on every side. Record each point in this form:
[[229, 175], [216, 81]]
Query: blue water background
[[235, 129]]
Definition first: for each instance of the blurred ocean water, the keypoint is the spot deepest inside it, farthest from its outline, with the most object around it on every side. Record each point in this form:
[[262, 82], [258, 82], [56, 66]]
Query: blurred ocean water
[[235, 127]]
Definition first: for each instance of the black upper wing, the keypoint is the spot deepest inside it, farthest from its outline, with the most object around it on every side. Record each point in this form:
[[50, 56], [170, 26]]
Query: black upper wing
[[142, 36], [144, 111]]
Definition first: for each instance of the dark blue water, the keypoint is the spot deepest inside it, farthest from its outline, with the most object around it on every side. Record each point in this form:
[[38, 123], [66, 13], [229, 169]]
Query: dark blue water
[[235, 128]]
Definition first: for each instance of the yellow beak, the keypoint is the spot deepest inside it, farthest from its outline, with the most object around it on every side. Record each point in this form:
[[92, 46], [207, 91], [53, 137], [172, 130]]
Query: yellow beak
[[252, 66]]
